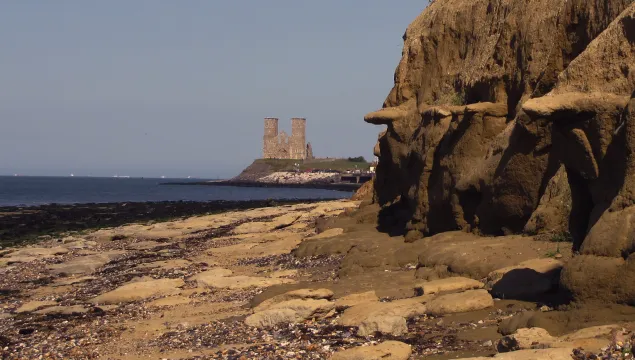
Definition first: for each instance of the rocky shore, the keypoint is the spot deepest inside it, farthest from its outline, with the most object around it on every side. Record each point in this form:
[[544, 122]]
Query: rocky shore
[[302, 281], [337, 186], [30, 223]]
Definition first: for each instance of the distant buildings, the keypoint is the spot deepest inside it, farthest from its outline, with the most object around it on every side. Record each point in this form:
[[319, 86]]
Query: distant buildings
[[282, 146]]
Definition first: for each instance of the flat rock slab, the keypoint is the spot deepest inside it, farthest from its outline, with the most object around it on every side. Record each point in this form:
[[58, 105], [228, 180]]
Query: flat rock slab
[[451, 284], [524, 339], [591, 339], [73, 281], [470, 300], [356, 299], [542, 354], [40, 252], [289, 312], [34, 305], [316, 294], [26, 255], [284, 273], [381, 316], [166, 264], [241, 282], [220, 278], [146, 245], [140, 291], [389, 350], [328, 233], [170, 301], [529, 278], [384, 324], [64, 310], [85, 264]]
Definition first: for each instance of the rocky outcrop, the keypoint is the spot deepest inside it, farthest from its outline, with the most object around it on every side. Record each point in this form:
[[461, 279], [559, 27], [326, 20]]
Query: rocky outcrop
[[514, 117]]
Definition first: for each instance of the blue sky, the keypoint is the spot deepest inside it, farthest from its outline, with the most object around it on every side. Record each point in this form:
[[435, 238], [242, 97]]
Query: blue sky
[[178, 88]]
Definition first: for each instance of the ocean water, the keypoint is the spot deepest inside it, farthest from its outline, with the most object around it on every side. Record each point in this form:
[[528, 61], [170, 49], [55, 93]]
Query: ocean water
[[32, 190]]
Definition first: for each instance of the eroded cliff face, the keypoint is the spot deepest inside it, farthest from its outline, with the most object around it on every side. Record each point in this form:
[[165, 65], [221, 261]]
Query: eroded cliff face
[[515, 116]]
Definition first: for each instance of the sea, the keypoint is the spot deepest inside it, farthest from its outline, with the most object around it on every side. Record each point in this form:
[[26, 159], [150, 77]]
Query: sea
[[36, 190]]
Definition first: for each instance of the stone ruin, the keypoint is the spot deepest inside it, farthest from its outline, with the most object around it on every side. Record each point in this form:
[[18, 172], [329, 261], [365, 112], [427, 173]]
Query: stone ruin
[[279, 145]]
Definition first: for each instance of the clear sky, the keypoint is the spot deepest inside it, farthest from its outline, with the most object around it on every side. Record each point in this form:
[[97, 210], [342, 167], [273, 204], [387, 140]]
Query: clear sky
[[178, 88]]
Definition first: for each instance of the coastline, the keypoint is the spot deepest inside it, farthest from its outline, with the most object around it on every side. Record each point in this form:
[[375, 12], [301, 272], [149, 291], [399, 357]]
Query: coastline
[[348, 187], [24, 224]]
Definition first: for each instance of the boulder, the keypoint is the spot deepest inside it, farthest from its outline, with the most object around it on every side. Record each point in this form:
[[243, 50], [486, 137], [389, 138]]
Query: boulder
[[470, 300], [388, 350], [452, 284]]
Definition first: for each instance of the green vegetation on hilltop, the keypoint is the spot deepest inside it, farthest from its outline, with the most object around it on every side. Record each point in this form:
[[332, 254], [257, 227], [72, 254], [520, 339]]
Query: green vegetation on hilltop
[[263, 167], [319, 164]]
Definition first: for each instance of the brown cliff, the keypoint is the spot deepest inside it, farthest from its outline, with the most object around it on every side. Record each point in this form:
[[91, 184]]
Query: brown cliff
[[511, 116]]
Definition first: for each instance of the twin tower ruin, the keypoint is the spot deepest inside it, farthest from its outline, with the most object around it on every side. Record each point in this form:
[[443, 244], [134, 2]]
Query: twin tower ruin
[[282, 146]]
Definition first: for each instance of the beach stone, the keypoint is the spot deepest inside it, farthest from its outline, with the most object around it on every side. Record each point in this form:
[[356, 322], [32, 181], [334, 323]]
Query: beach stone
[[388, 350], [356, 299], [252, 227], [470, 300], [289, 312], [370, 311], [448, 285], [385, 324], [316, 294], [34, 305], [327, 234], [64, 310], [140, 290], [529, 278], [85, 264]]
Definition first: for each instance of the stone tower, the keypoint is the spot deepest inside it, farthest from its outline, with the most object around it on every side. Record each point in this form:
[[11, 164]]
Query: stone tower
[[297, 143], [270, 139]]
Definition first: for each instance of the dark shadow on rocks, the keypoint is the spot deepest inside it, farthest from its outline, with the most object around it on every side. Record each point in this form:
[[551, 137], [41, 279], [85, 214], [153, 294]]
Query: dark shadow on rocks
[[530, 285], [393, 219]]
